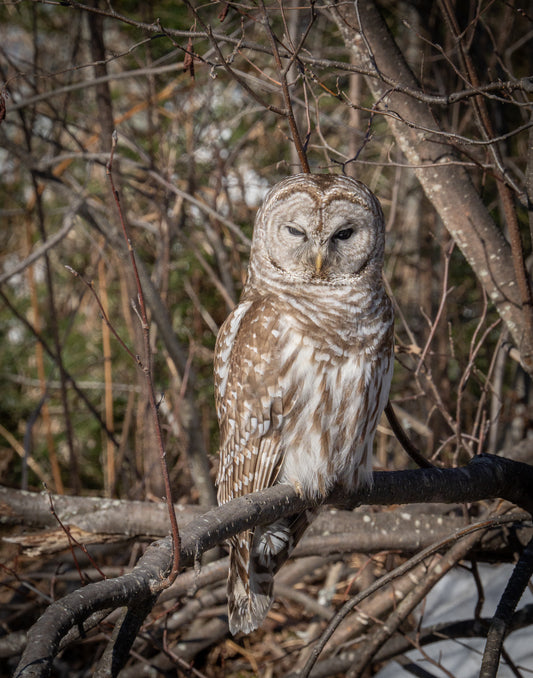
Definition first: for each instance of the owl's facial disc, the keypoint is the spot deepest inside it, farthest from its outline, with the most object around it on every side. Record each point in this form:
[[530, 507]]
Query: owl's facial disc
[[325, 232], [322, 245]]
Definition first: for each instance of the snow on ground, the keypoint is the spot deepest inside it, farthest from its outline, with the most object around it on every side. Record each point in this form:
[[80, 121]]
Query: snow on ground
[[454, 599]]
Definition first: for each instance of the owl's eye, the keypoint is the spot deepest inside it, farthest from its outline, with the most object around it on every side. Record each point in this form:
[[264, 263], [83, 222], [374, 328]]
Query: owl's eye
[[295, 231], [345, 234]]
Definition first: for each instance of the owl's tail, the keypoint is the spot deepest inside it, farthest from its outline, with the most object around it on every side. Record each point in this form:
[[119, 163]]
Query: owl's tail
[[249, 593], [255, 557]]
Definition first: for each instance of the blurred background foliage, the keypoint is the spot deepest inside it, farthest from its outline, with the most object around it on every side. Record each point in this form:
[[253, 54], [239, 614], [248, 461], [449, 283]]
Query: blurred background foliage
[[196, 153]]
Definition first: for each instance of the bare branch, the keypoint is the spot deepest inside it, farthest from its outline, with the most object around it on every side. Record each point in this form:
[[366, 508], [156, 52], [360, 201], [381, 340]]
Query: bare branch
[[504, 613]]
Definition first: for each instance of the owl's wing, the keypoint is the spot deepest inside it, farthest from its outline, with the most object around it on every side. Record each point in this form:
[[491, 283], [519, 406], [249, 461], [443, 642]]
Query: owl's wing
[[248, 399]]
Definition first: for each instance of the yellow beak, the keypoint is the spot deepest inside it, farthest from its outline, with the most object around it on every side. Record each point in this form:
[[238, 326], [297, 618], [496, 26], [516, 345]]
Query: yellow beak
[[319, 261]]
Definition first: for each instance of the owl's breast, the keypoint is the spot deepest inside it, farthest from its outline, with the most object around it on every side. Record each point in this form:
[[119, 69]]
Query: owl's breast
[[299, 395], [333, 393]]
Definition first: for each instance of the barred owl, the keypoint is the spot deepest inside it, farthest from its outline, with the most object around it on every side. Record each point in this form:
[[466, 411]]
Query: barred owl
[[302, 367]]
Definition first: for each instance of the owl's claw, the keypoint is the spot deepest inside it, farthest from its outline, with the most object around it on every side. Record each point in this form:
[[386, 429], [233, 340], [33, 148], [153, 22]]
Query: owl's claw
[[298, 489]]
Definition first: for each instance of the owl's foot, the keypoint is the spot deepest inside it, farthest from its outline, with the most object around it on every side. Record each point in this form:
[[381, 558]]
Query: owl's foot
[[316, 493], [298, 489]]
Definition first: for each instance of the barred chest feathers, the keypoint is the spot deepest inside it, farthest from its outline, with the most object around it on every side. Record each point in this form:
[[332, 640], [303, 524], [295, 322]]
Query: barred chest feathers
[[334, 388]]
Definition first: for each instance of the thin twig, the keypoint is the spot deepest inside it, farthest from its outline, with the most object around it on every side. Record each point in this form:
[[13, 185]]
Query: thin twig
[[105, 317], [147, 370], [72, 541], [70, 379], [50, 242], [296, 138], [444, 297]]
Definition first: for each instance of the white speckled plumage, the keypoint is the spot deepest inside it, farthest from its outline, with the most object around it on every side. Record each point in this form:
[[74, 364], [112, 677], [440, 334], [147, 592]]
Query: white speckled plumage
[[302, 366]]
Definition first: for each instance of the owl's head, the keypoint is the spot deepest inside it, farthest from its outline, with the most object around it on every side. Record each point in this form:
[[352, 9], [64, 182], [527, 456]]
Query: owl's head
[[318, 228]]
